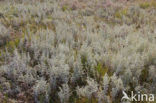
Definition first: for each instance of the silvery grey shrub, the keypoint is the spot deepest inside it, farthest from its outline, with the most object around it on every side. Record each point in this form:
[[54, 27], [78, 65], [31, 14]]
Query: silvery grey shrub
[[68, 53]]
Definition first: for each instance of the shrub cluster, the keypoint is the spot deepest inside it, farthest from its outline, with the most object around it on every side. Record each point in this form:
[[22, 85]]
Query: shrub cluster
[[76, 51]]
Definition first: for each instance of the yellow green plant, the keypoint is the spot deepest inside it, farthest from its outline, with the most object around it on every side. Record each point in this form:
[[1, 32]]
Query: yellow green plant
[[64, 8], [121, 13], [11, 45], [145, 5], [101, 69]]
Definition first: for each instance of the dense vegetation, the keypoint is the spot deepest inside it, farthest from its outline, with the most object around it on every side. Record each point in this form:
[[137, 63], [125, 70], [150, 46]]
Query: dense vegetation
[[76, 51]]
